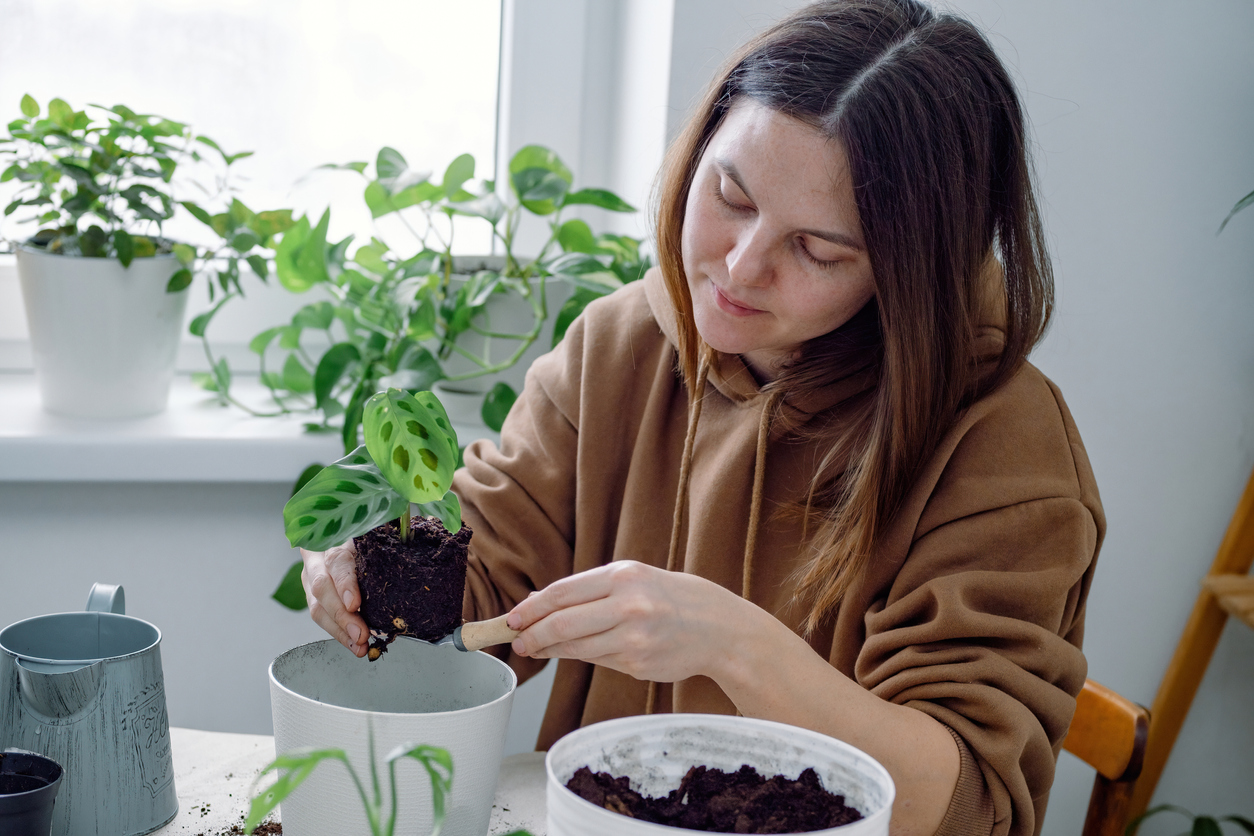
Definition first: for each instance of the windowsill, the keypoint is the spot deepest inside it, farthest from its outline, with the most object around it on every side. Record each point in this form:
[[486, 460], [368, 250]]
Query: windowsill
[[194, 440]]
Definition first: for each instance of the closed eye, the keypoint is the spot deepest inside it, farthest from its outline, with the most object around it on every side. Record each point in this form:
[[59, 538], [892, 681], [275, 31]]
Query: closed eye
[[722, 198]]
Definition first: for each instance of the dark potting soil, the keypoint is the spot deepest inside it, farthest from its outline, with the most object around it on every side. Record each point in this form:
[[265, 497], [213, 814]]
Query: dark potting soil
[[723, 802], [413, 588]]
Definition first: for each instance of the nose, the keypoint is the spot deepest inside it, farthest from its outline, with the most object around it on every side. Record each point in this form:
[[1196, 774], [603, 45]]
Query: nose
[[750, 262]]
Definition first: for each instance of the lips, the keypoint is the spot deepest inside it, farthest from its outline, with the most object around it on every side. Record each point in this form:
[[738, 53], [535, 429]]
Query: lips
[[731, 306]]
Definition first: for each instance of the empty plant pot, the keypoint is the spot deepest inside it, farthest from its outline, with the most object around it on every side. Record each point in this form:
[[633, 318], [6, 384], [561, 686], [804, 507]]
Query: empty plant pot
[[28, 791], [325, 697], [656, 751]]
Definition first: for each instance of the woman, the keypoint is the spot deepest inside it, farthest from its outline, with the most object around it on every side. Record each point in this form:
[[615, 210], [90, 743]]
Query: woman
[[803, 471]]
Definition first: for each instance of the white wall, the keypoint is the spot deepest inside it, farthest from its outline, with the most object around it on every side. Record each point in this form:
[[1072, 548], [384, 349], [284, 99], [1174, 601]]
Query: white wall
[[1142, 115]]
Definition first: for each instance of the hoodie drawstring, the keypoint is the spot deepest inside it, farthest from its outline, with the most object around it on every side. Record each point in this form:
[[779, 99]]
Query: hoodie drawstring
[[681, 498]]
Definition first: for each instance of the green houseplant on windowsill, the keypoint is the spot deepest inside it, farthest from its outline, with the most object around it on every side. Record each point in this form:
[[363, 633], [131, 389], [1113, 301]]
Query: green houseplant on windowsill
[[104, 290], [407, 313]]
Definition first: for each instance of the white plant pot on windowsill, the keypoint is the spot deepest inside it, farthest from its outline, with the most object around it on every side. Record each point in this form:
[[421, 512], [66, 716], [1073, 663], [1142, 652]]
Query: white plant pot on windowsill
[[504, 313], [104, 337]]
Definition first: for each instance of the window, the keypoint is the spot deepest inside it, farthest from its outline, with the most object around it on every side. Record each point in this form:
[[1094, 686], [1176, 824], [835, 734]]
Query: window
[[300, 83]]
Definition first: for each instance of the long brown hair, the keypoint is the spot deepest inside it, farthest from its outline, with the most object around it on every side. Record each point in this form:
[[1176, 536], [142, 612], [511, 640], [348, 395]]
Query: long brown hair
[[935, 138]]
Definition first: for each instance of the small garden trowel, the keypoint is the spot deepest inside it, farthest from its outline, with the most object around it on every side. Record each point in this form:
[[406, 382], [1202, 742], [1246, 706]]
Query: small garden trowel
[[476, 635]]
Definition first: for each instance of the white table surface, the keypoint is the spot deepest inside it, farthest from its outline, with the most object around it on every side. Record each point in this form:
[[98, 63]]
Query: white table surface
[[213, 772]]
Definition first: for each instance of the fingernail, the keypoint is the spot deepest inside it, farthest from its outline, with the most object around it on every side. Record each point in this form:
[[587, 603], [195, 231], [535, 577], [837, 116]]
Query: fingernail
[[354, 633], [518, 647], [513, 621], [348, 600]]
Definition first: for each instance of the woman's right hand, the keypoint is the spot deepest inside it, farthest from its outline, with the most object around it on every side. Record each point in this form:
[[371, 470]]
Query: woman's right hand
[[330, 581]]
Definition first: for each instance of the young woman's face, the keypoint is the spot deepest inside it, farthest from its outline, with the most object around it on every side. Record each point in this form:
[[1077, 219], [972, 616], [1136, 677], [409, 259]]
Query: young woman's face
[[772, 244]]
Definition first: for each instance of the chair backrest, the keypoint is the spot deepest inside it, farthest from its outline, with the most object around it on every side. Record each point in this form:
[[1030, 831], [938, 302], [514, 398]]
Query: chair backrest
[[1108, 733]]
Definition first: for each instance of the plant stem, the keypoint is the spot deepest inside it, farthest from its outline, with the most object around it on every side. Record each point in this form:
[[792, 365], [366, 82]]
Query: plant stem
[[403, 524]]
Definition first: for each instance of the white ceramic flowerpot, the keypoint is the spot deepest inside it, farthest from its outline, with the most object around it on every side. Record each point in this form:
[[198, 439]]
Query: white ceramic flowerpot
[[656, 751], [104, 336], [505, 313], [323, 696]]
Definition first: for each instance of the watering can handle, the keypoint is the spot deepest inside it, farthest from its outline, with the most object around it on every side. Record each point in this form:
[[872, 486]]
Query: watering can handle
[[106, 597]]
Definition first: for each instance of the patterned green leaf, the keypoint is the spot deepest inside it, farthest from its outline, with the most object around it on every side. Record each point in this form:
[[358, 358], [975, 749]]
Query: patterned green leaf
[[347, 498], [448, 510], [409, 439], [439, 765], [294, 768]]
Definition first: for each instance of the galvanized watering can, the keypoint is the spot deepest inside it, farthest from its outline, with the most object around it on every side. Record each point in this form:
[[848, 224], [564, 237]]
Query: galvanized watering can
[[85, 689]]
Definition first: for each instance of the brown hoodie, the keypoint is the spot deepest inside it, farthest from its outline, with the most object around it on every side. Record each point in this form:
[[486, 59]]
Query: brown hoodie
[[971, 611]]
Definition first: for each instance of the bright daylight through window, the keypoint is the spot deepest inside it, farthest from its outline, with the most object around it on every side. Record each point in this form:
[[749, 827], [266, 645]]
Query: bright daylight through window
[[301, 83]]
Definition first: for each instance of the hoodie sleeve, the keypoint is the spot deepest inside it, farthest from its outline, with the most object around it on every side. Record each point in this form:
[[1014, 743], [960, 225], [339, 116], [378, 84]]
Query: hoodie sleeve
[[980, 627], [520, 498]]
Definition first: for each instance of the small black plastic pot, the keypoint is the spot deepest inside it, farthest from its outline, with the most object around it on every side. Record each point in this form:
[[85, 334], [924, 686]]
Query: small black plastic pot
[[28, 789]]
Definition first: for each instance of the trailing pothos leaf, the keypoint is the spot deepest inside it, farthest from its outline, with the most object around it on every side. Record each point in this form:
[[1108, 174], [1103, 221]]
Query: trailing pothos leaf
[[296, 766], [409, 457]]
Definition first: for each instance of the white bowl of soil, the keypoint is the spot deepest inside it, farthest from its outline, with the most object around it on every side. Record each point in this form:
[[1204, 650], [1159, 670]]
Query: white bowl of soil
[[656, 752], [323, 696]]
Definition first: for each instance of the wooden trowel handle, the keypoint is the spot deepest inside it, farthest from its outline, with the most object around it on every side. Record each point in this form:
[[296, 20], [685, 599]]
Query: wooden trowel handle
[[476, 635]]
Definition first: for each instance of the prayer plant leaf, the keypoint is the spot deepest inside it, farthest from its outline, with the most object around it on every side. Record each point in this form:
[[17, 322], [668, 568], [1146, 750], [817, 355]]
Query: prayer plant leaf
[[448, 510], [290, 591], [347, 498], [409, 441]]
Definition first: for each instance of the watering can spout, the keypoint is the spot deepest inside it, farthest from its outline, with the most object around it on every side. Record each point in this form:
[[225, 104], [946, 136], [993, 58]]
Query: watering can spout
[[59, 691]]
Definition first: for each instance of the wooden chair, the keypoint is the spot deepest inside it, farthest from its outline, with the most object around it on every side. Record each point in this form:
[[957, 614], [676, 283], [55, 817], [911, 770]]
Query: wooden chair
[[1108, 733], [1227, 591]]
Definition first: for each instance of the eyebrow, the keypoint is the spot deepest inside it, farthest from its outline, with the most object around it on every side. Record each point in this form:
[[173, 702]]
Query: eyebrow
[[729, 168]]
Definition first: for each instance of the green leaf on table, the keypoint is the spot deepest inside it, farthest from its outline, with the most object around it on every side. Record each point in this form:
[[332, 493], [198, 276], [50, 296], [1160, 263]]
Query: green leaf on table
[[598, 197], [496, 405], [222, 375], [294, 767], [205, 381], [30, 107], [346, 498], [331, 368], [290, 591], [412, 443]]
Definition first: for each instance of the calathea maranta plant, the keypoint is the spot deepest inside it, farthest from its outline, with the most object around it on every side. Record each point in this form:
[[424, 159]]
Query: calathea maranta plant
[[102, 182], [409, 457]]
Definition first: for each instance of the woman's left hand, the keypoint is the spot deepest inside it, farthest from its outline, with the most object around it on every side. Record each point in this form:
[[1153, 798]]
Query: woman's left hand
[[646, 622]]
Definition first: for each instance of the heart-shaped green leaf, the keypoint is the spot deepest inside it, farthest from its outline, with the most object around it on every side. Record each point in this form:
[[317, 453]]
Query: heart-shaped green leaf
[[410, 442], [347, 498]]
